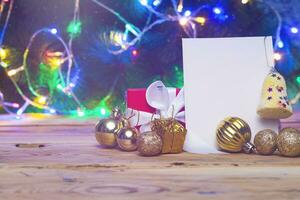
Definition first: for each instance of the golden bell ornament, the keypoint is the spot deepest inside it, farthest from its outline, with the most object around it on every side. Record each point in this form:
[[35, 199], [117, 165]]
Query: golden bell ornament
[[149, 144], [234, 135], [127, 138], [274, 103], [265, 142], [288, 142], [107, 129], [172, 133]]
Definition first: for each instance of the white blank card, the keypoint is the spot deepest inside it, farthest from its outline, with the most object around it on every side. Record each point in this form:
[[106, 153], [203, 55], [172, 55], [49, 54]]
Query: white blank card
[[223, 77]]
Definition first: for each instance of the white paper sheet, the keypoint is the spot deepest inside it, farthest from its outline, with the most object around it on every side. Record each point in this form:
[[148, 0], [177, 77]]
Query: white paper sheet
[[223, 77]]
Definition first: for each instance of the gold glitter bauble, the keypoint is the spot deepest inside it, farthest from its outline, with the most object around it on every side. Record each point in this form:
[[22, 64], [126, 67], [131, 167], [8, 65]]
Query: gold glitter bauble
[[149, 144], [107, 129], [288, 142], [172, 134], [127, 138], [234, 135], [265, 142]]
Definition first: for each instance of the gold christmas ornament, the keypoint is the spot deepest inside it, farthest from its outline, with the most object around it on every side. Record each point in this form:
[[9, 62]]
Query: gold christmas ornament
[[172, 133], [288, 142], [149, 144], [107, 129], [265, 142], [234, 135], [127, 138], [274, 103]]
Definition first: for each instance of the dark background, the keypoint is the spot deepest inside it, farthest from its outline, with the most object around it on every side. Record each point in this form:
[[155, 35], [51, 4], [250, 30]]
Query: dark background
[[159, 51]]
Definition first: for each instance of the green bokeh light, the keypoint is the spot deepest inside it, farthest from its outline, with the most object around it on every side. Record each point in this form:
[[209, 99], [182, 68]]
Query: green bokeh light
[[74, 28], [48, 77], [298, 80], [101, 110]]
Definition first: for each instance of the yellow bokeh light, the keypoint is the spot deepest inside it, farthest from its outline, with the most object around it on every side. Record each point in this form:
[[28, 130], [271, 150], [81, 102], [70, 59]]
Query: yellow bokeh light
[[41, 100], [200, 20], [55, 62], [3, 53], [245, 1], [277, 56], [179, 8]]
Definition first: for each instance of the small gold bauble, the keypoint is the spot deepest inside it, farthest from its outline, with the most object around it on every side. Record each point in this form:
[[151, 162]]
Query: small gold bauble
[[149, 144], [127, 138], [106, 132], [107, 129], [288, 142], [234, 135], [265, 142]]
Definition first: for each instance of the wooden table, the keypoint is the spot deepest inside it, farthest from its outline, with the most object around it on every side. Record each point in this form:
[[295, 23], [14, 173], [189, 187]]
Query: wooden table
[[65, 162]]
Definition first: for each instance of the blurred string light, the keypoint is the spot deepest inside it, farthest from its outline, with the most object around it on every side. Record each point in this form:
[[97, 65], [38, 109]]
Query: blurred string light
[[55, 60], [135, 53], [4, 57], [3, 53], [280, 44], [183, 21], [245, 1], [187, 21], [10, 4], [118, 38], [53, 31], [200, 20], [102, 111], [187, 13], [180, 6], [144, 2], [298, 80], [277, 56], [7, 105], [218, 10], [156, 2], [124, 40], [294, 30], [41, 100], [13, 72], [80, 113], [74, 28]]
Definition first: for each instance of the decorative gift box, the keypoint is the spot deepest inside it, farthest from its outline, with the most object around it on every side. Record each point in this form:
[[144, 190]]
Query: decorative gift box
[[159, 109], [136, 99], [157, 101]]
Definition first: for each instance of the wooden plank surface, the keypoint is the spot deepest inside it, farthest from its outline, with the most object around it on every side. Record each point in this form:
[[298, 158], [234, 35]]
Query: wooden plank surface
[[63, 161]]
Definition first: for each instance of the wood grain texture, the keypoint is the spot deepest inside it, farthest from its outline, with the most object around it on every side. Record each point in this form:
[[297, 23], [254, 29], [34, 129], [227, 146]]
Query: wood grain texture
[[61, 160]]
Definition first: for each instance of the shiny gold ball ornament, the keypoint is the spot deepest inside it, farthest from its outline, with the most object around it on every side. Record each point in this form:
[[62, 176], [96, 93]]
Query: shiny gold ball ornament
[[265, 142], [107, 129], [234, 135], [149, 144], [127, 138], [288, 142]]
